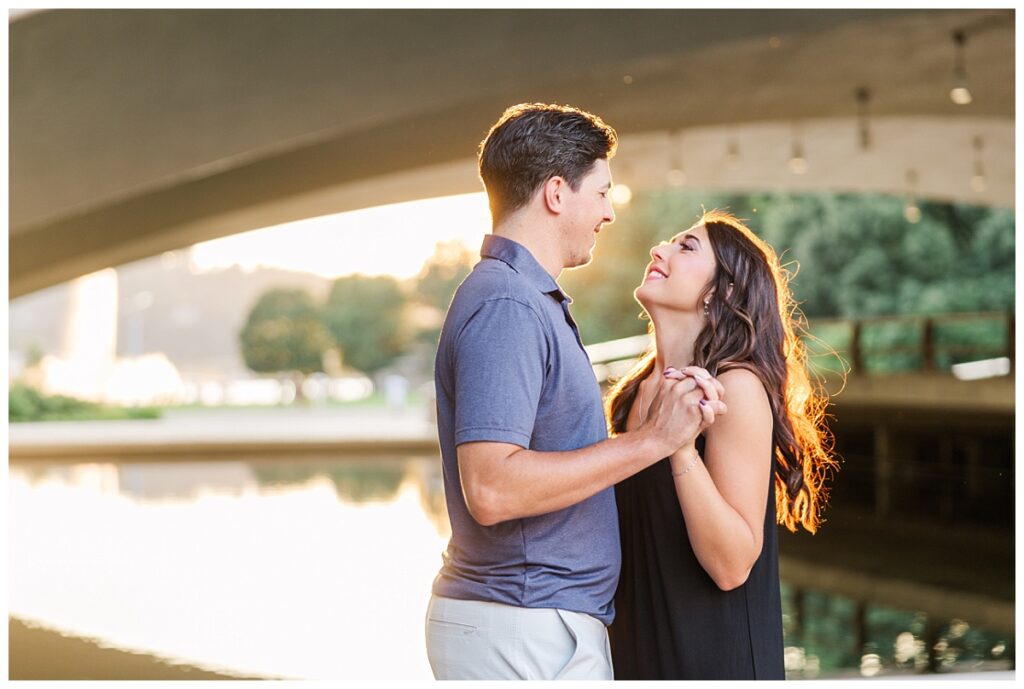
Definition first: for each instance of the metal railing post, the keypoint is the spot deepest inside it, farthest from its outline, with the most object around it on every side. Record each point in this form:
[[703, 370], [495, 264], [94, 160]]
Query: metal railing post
[[928, 346], [856, 357], [1011, 340]]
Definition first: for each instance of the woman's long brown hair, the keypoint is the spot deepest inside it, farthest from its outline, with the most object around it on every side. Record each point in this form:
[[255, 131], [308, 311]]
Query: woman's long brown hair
[[753, 323]]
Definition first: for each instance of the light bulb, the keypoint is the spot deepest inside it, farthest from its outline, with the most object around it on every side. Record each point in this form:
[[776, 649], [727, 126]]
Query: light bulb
[[621, 195], [732, 154], [960, 95]]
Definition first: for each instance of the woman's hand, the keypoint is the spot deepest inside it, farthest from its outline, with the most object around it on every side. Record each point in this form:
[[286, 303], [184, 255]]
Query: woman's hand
[[711, 403], [674, 416]]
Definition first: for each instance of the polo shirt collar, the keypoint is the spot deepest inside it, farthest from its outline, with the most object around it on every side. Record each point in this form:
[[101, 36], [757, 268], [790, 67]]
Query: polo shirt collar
[[519, 258]]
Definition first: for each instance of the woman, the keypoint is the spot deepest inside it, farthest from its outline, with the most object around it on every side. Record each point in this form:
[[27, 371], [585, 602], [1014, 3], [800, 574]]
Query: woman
[[698, 595]]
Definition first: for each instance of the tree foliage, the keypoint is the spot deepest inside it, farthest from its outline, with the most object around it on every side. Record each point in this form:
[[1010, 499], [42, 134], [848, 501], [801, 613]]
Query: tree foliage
[[437, 281], [602, 292], [364, 316], [283, 333], [443, 272], [850, 255]]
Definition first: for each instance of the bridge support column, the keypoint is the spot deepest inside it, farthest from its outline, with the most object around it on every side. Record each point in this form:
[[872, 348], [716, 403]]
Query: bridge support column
[[972, 448], [883, 470], [946, 470]]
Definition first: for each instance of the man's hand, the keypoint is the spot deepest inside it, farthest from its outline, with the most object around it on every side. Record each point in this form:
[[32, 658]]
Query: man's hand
[[501, 481], [712, 404], [685, 403]]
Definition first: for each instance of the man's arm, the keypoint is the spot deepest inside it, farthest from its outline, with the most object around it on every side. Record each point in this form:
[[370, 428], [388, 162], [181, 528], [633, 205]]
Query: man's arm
[[499, 361], [501, 481]]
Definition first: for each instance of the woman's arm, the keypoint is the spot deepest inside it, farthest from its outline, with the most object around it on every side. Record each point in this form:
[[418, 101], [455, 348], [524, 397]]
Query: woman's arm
[[724, 497]]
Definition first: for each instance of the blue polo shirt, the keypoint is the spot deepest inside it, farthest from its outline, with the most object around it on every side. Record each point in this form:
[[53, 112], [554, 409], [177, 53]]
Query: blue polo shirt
[[511, 368]]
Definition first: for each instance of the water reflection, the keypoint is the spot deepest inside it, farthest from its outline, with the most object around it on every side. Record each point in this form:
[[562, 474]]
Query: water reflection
[[39, 653], [359, 483], [831, 635], [322, 569], [233, 566]]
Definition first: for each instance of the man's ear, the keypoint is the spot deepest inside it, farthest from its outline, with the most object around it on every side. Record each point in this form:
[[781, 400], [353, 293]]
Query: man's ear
[[554, 194]]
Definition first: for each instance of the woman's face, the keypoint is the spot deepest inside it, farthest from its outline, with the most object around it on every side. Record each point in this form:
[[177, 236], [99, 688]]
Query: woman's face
[[678, 273]]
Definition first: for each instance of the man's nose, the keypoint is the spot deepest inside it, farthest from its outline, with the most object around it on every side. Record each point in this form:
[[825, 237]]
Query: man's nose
[[609, 213]]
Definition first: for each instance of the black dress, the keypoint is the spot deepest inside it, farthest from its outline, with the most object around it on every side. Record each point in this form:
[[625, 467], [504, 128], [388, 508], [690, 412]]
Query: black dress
[[671, 620]]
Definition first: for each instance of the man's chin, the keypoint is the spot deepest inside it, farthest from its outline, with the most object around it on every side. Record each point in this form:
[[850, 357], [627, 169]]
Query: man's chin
[[580, 261]]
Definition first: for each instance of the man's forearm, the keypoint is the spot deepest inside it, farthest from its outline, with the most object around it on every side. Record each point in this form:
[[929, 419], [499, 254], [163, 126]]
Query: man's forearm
[[527, 483]]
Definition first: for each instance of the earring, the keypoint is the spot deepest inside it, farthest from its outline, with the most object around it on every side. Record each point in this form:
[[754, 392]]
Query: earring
[[706, 303]]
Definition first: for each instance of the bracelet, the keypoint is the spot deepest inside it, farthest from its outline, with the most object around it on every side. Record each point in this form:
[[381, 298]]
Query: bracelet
[[696, 459]]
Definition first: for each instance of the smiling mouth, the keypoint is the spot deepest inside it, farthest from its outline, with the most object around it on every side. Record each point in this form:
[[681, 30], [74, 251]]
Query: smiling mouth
[[655, 274]]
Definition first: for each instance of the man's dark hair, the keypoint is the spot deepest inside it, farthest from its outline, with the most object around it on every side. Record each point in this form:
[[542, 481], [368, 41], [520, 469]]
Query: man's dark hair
[[533, 142]]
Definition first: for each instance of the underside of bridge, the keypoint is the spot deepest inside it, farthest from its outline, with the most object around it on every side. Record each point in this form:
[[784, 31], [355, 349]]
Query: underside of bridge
[[138, 131]]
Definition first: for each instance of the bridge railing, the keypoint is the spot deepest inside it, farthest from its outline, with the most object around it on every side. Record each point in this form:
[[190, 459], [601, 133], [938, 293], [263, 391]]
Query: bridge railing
[[876, 345], [939, 343]]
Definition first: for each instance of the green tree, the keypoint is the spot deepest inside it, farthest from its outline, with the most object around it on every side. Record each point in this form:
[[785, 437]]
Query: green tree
[[858, 256], [284, 334], [34, 355], [443, 272], [437, 281], [365, 318], [849, 255]]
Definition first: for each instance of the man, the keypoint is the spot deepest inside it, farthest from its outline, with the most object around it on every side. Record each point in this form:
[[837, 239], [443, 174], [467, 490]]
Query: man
[[528, 578]]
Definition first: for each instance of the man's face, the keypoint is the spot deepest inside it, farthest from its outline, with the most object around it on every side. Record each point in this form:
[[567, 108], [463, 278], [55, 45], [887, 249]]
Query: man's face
[[587, 210]]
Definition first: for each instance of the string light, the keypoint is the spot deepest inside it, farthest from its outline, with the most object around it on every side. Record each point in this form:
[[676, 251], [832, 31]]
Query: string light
[[978, 181], [863, 98], [797, 161], [959, 94], [911, 212], [732, 153], [621, 195], [676, 176]]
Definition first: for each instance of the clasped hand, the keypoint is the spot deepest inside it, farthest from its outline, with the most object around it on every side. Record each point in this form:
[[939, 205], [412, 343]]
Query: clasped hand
[[686, 403]]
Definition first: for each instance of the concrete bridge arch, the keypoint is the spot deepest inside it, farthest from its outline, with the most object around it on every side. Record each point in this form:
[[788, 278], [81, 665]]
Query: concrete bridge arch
[[138, 131]]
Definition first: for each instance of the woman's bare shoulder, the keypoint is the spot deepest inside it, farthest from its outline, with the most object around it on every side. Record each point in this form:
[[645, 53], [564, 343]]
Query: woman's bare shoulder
[[741, 381], [748, 417]]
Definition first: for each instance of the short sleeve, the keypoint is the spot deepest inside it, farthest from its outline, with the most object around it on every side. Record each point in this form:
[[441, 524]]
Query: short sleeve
[[499, 361]]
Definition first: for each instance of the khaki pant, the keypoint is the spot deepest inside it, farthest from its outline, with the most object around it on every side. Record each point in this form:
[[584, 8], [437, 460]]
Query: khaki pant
[[468, 639]]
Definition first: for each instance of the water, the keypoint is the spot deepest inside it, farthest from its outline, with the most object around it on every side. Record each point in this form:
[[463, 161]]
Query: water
[[321, 569], [839, 637]]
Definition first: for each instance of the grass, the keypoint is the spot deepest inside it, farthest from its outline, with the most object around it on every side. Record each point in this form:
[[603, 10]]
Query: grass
[[25, 403]]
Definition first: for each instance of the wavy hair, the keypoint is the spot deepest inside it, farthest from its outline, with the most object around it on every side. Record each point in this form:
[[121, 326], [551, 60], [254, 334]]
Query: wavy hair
[[753, 323]]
